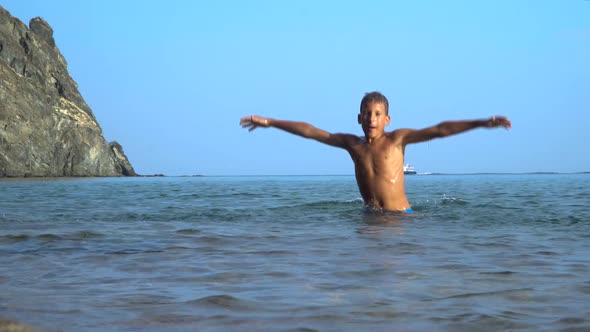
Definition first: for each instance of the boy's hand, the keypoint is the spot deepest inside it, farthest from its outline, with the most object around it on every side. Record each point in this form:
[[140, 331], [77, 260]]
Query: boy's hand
[[499, 121], [253, 121]]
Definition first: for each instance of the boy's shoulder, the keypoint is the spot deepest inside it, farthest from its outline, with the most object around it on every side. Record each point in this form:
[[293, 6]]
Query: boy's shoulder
[[398, 134], [400, 131]]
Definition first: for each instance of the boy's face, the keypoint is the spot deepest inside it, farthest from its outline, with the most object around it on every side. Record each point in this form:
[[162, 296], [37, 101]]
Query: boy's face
[[373, 118]]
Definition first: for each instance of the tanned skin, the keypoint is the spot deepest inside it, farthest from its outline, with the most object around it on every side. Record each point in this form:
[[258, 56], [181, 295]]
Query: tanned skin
[[378, 156]]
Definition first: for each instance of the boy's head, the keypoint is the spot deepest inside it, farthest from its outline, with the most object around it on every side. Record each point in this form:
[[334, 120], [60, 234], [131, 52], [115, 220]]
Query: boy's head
[[374, 114], [374, 97]]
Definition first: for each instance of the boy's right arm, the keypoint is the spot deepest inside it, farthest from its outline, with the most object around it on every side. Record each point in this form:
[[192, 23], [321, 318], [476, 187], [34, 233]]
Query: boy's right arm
[[302, 129]]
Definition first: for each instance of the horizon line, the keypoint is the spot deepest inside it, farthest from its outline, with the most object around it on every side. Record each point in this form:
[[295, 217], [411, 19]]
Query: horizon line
[[417, 174]]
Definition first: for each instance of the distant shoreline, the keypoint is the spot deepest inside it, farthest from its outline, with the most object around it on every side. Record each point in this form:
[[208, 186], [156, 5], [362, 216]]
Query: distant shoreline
[[55, 178]]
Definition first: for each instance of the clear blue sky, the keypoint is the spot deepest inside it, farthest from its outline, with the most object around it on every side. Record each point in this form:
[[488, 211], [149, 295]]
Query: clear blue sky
[[169, 80]]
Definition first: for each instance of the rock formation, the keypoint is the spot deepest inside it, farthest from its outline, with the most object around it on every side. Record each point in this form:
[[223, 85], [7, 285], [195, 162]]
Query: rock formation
[[13, 326], [46, 127]]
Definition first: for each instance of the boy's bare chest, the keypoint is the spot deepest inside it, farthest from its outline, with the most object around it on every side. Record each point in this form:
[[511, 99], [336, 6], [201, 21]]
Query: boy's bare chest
[[383, 155]]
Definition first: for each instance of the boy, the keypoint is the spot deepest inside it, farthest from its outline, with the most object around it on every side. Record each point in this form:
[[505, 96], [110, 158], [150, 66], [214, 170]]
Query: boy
[[378, 156]]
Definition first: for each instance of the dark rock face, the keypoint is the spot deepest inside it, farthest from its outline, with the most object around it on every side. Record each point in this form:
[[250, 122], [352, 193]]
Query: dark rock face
[[13, 326], [121, 159], [46, 127]]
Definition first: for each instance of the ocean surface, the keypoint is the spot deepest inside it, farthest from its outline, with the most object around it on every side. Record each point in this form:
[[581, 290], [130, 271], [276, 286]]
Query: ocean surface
[[296, 253]]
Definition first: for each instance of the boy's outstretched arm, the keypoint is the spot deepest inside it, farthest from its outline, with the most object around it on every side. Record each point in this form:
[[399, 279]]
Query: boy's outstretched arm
[[449, 128], [302, 129]]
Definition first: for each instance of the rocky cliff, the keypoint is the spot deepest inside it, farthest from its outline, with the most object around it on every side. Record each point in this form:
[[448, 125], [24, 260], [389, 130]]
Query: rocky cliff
[[46, 127]]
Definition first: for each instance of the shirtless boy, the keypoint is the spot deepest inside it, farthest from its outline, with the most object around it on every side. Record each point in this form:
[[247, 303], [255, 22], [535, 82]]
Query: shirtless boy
[[378, 156]]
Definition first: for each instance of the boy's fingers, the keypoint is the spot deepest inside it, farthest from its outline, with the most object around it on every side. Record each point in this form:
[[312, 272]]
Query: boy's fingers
[[247, 122]]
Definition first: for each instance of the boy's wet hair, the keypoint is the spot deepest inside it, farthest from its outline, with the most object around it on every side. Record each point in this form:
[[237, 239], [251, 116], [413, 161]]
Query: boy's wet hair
[[374, 97]]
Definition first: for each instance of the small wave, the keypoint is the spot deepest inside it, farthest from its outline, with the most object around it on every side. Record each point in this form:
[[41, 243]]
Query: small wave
[[302, 329], [272, 252], [176, 248], [149, 299], [452, 200], [49, 237], [573, 320], [165, 318], [188, 231], [224, 195], [224, 301], [547, 253], [133, 252], [502, 273], [330, 204], [323, 205], [82, 235], [491, 293], [8, 239], [444, 201], [214, 239]]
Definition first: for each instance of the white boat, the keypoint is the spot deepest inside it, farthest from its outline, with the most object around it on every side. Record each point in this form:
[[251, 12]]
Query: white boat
[[409, 169]]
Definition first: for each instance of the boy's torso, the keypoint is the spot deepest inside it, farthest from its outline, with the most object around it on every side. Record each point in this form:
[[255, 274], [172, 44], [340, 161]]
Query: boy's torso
[[379, 172]]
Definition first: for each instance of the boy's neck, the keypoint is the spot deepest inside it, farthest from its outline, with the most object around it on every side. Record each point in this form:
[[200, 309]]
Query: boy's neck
[[371, 140]]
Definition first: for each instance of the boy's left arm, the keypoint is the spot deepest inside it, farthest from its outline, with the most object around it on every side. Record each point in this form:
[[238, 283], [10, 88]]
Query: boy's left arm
[[449, 128]]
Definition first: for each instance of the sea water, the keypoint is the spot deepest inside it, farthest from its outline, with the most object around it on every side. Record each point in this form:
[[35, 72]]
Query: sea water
[[296, 253]]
